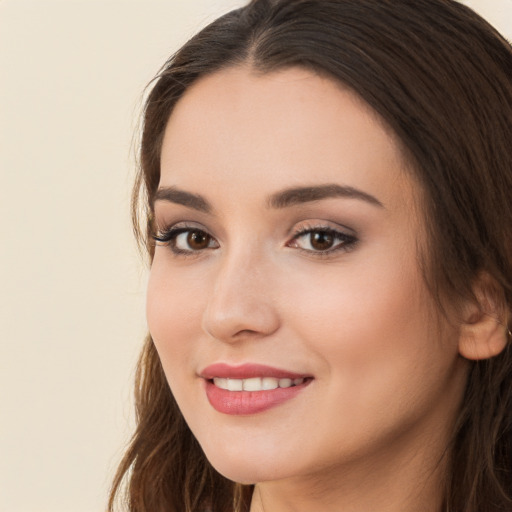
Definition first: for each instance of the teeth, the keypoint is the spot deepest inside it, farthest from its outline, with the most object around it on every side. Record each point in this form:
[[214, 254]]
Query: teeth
[[255, 383], [221, 383], [269, 383], [252, 384], [285, 383], [235, 384]]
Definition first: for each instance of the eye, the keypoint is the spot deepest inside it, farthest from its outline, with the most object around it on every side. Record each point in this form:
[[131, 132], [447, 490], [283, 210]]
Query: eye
[[322, 240], [186, 240]]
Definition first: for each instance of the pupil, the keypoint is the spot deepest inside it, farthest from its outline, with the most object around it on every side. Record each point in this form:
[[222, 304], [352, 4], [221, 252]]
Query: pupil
[[322, 240], [197, 240]]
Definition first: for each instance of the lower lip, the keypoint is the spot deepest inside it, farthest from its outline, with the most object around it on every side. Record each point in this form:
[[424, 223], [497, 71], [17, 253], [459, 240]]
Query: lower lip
[[240, 403]]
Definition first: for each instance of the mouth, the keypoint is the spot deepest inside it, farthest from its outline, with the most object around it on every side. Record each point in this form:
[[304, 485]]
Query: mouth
[[250, 389], [257, 383]]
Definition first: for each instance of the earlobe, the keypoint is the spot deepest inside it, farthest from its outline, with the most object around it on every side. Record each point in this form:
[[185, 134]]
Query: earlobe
[[483, 331]]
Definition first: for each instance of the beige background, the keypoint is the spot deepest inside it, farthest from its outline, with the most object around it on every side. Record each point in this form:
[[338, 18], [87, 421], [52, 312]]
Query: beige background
[[72, 286]]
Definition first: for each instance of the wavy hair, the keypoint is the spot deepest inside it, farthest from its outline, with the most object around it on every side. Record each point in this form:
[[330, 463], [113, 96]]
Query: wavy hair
[[441, 78]]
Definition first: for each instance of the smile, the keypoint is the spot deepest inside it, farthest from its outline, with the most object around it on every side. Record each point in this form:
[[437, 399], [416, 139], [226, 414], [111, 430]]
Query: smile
[[256, 383], [250, 388]]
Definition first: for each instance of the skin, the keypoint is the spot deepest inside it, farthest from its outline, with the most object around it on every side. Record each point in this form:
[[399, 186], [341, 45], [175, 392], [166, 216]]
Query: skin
[[370, 430]]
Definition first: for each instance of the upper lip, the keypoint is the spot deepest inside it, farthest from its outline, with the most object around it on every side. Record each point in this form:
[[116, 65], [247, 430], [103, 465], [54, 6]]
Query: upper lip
[[247, 371]]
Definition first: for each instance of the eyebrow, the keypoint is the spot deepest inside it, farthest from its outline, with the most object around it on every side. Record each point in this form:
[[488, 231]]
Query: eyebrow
[[298, 195], [283, 199], [177, 196]]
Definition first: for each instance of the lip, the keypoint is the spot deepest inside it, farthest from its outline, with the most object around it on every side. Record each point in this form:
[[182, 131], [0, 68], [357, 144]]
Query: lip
[[247, 371], [240, 403]]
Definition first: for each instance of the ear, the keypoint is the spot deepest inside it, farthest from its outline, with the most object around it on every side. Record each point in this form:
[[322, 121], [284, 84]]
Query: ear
[[483, 333]]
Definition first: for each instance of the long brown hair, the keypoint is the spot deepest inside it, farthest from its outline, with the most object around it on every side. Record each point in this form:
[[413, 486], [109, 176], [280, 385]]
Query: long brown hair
[[441, 78]]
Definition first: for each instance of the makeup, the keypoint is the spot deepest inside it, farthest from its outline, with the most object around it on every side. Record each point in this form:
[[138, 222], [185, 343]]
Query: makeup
[[250, 388]]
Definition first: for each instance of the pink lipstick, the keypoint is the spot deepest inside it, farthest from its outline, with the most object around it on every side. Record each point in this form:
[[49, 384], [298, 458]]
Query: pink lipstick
[[250, 388]]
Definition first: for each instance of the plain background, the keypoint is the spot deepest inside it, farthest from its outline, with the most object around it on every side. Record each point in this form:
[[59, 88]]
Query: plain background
[[72, 284]]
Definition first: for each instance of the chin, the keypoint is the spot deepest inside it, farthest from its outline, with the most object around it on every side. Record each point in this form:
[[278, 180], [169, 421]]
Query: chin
[[247, 468], [247, 474]]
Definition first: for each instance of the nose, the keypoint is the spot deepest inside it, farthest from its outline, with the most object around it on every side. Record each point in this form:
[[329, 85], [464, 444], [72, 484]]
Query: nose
[[241, 305]]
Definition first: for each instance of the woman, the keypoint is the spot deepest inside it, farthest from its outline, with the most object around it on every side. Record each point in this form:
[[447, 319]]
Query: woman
[[327, 194]]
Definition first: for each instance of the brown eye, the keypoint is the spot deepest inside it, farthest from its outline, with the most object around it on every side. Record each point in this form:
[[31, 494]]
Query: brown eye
[[321, 240], [198, 240], [186, 240]]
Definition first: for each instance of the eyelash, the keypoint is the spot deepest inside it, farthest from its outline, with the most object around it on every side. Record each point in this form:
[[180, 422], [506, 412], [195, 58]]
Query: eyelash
[[343, 241], [168, 238]]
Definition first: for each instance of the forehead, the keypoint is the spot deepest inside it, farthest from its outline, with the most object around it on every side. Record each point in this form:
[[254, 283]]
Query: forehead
[[238, 130]]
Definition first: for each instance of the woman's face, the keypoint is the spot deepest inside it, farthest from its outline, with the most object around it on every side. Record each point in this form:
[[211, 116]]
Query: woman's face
[[287, 272]]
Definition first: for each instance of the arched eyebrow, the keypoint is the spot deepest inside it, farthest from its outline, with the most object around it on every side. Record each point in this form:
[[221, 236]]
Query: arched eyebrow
[[282, 199], [298, 195], [178, 196]]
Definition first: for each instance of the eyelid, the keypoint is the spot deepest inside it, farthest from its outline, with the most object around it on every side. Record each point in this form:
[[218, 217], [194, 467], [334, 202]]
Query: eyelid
[[167, 237], [163, 227], [346, 237], [321, 225]]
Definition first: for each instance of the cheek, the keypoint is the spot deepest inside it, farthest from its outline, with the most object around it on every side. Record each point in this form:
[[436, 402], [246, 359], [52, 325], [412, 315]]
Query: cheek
[[173, 310], [360, 301], [371, 326], [383, 367]]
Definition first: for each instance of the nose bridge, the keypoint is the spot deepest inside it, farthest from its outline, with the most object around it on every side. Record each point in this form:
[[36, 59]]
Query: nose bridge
[[241, 301]]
